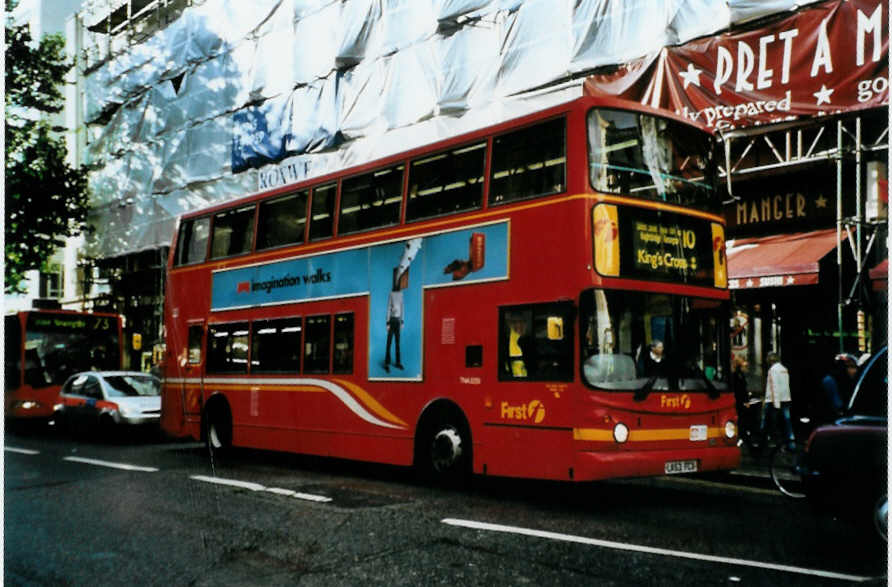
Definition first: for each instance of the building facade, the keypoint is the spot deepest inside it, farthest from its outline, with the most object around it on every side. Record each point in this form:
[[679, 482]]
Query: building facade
[[178, 104]]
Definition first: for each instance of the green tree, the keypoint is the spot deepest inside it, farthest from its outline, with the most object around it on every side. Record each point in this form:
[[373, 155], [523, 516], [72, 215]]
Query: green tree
[[46, 199]]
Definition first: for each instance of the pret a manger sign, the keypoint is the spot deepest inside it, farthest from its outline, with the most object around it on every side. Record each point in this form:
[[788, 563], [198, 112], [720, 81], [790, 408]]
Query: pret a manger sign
[[828, 57]]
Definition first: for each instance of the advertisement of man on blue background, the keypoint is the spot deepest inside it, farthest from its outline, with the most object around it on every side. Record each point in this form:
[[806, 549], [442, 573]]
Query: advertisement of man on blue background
[[400, 272], [394, 276]]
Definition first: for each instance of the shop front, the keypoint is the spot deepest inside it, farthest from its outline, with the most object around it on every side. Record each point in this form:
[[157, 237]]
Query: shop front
[[790, 266]]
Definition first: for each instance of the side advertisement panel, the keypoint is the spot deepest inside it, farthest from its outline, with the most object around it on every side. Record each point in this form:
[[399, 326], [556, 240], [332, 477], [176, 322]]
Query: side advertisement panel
[[393, 275]]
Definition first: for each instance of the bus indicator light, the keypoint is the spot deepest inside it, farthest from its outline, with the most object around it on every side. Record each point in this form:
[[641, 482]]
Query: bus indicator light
[[606, 241]]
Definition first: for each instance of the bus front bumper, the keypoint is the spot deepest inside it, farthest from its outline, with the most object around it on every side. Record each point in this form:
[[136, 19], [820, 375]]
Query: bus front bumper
[[591, 465]]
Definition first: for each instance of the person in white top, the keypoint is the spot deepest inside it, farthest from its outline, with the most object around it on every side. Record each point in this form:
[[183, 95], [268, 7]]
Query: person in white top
[[777, 397]]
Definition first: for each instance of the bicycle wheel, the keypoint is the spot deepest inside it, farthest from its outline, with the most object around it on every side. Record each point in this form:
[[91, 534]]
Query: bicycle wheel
[[786, 461]]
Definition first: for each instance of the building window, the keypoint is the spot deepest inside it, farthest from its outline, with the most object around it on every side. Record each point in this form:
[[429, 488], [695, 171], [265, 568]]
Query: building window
[[51, 284], [529, 162]]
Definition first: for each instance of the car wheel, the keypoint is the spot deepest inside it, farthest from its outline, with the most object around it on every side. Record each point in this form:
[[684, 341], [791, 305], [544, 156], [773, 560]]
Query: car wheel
[[107, 428], [881, 516]]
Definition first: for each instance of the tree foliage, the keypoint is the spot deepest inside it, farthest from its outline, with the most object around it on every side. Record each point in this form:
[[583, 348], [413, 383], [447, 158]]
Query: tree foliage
[[46, 199]]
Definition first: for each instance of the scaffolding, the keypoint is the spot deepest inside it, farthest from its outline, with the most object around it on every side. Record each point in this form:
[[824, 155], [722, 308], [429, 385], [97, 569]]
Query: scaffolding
[[861, 138]]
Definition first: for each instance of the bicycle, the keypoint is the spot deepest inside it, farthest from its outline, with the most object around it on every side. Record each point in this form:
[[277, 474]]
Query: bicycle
[[787, 462], [751, 433]]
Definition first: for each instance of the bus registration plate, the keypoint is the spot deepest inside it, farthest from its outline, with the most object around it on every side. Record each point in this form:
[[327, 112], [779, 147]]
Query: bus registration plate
[[698, 433], [678, 467]]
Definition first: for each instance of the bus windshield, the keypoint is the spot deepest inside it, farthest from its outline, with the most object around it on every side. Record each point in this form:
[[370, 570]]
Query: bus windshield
[[645, 341], [652, 158], [52, 353]]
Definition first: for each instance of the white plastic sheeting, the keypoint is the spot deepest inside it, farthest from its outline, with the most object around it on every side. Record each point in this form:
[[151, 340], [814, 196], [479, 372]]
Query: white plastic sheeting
[[233, 85]]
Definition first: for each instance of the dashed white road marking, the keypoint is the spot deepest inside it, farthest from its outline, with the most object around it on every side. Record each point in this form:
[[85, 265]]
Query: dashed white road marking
[[651, 550], [22, 451], [258, 487], [111, 465]]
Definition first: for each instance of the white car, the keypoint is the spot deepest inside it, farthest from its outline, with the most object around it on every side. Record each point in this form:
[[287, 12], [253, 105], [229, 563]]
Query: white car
[[106, 401]]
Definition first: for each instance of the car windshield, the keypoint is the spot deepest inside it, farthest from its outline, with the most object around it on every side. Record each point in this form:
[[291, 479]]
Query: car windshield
[[644, 341], [132, 385], [652, 158]]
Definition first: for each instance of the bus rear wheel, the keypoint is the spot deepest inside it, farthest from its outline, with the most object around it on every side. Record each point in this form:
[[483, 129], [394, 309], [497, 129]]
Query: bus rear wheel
[[218, 430], [443, 448]]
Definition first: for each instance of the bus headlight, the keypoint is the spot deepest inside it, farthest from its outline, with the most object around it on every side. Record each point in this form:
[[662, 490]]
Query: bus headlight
[[730, 429], [620, 433]]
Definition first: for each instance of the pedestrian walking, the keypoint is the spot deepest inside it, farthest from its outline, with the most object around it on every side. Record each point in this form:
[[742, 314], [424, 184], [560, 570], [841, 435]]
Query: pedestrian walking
[[837, 386], [778, 399]]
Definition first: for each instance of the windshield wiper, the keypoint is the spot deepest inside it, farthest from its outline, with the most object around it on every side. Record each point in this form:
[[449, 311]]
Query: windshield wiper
[[712, 391], [642, 392]]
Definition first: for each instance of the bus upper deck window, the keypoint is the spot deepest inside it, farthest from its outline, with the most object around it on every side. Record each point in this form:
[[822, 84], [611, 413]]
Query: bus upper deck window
[[282, 221], [446, 182], [649, 157], [322, 213], [371, 200], [192, 243], [529, 162], [233, 232]]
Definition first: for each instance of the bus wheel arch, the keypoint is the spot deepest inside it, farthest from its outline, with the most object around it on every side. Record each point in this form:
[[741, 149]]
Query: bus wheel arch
[[216, 424], [443, 449]]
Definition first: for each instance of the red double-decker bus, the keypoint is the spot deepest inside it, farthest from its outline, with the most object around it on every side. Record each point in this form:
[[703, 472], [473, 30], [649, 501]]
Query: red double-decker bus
[[544, 298], [42, 348]]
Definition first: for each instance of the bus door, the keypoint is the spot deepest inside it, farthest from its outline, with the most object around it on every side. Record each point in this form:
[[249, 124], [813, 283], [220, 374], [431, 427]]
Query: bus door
[[191, 368]]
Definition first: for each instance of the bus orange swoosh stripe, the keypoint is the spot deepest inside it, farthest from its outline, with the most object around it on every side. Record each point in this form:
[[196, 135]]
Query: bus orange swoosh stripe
[[371, 403]]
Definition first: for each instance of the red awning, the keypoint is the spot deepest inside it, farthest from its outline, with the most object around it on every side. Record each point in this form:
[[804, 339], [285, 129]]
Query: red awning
[[879, 275], [778, 260]]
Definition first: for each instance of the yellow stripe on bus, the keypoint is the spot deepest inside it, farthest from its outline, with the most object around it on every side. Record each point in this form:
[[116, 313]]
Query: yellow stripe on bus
[[606, 434], [595, 434]]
